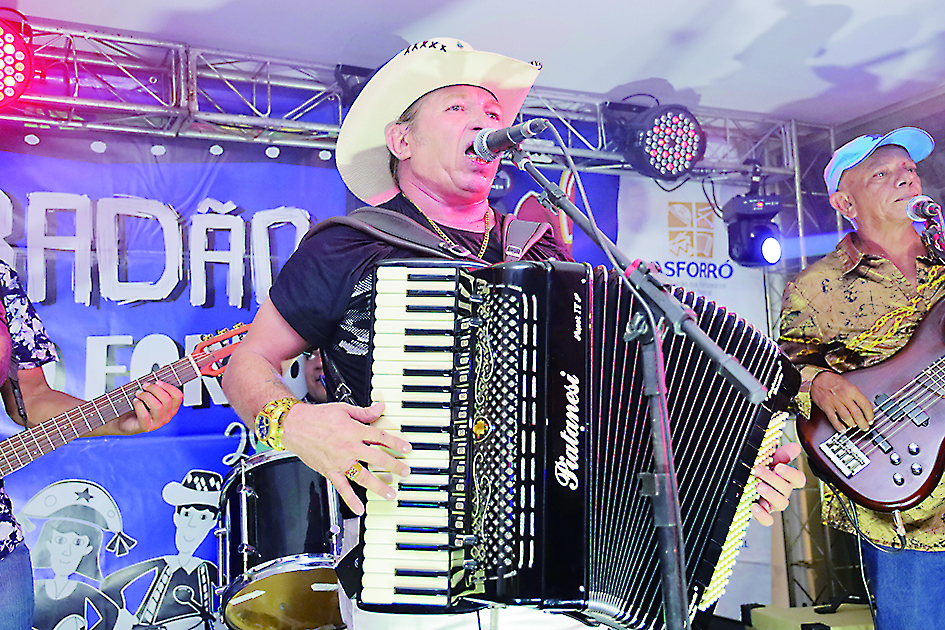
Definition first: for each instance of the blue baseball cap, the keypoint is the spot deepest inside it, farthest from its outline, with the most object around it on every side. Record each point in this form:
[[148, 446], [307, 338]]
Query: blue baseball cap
[[917, 142]]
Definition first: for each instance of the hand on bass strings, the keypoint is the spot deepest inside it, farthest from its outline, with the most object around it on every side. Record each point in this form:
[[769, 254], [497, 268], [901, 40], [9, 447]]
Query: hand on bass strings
[[775, 483], [841, 401], [334, 438]]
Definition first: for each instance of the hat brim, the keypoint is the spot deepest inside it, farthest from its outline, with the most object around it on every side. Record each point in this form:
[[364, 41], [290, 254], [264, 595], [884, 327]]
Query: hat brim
[[917, 143], [361, 154]]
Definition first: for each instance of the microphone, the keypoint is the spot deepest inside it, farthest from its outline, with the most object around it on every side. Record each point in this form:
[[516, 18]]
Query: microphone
[[922, 207], [490, 144]]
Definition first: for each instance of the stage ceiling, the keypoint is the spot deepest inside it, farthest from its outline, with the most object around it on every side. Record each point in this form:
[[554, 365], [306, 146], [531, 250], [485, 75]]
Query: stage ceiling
[[828, 62]]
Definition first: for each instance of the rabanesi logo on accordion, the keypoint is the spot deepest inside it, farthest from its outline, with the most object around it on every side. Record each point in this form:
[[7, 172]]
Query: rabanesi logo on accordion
[[567, 465]]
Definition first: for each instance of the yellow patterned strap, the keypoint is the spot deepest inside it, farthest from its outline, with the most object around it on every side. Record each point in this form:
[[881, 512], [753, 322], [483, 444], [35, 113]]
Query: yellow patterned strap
[[736, 531], [269, 421]]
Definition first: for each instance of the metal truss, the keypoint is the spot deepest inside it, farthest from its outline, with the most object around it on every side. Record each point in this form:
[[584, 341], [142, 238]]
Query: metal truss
[[93, 80]]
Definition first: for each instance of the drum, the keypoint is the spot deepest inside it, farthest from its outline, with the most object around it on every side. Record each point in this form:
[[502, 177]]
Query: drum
[[279, 539]]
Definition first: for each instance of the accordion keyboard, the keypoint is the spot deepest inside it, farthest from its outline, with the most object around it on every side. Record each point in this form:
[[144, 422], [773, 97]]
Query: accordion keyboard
[[413, 553]]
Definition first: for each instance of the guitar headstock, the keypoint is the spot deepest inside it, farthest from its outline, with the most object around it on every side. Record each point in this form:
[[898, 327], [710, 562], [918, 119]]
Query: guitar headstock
[[212, 354]]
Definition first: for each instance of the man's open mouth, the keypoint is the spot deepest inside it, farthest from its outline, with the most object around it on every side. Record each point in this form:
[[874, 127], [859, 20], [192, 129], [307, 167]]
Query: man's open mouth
[[471, 152]]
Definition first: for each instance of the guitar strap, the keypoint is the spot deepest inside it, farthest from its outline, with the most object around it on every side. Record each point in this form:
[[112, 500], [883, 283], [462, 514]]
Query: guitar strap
[[18, 397]]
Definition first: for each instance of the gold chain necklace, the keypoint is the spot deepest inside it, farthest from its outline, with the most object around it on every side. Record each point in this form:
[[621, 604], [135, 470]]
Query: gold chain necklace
[[436, 228]]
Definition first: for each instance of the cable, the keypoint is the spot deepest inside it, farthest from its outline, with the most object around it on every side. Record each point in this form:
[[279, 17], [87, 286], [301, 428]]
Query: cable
[[713, 202], [676, 187], [854, 521], [861, 537], [646, 94]]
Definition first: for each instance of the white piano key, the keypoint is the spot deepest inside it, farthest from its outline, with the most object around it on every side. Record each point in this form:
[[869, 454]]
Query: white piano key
[[380, 367], [386, 340], [401, 382], [384, 507], [394, 273], [401, 326], [416, 518], [396, 411], [414, 317], [390, 565], [399, 355], [382, 551], [398, 420], [431, 585], [415, 495], [393, 537], [402, 288], [413, 302], [394, 395]]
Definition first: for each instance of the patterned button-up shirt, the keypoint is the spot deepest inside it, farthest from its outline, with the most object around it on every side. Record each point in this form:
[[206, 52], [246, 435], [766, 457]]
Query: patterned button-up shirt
[[31, 348], [852, 310]]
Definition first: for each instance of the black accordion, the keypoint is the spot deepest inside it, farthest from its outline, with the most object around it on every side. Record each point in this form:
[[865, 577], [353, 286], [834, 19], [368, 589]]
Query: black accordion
[[526, 412]]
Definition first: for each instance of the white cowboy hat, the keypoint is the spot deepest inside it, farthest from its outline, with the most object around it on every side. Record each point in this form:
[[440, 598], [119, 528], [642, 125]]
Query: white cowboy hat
[[361, 152]]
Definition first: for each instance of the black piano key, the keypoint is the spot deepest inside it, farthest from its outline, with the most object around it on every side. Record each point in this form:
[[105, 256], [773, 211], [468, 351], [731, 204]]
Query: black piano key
[[425, 487], [427, 446], [421, 504], [428, 332], [417, 428], [435, 389], [421, 372], [428, 470], [422, 529], [430, 293], [421, 547], [420, 308], [399, 590], [420, 573], [431, 276], [446, 348], [424, 404]]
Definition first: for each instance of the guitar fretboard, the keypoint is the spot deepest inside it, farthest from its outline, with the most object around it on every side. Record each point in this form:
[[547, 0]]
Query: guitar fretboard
[[21, 449]]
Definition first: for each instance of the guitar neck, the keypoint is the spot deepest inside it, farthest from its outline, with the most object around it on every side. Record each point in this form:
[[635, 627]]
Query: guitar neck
[[21, 449]]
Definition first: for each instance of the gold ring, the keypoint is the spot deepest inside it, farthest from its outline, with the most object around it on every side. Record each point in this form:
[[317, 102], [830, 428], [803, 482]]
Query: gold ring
[[354, 471]]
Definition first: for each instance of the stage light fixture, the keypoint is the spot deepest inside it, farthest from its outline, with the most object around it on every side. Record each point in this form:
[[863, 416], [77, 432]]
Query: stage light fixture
[[662, 142], [16, 62], [753, 238]]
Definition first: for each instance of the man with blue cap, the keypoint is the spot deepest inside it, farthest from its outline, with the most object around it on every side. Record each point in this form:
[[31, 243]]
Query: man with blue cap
[[854, 308]]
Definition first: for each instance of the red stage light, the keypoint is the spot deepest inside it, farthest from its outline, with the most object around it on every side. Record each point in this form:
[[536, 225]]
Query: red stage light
[[16, 63]]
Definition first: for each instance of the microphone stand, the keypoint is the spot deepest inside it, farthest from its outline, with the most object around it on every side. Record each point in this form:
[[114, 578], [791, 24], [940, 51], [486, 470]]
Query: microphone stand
[[661, 485]]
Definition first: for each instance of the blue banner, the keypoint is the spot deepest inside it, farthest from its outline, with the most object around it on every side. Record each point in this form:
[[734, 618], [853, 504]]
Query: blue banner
[[132, 248]]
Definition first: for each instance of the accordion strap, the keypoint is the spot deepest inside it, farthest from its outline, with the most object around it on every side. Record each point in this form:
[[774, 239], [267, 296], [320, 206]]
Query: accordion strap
[[396, 229], [519, 235]]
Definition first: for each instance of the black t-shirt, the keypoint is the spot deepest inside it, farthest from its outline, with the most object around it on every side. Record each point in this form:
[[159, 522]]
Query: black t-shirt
[[324, 289]]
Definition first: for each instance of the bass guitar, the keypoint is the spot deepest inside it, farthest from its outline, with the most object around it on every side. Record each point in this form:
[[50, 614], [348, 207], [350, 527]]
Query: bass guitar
[[899, 460], [208, 359]]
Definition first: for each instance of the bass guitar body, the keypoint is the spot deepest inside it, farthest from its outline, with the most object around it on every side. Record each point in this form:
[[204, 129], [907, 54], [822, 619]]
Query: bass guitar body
[[899, 461]]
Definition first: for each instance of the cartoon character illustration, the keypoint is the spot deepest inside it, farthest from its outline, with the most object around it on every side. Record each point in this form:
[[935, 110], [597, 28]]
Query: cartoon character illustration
[[77, 512], [180, 595]]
